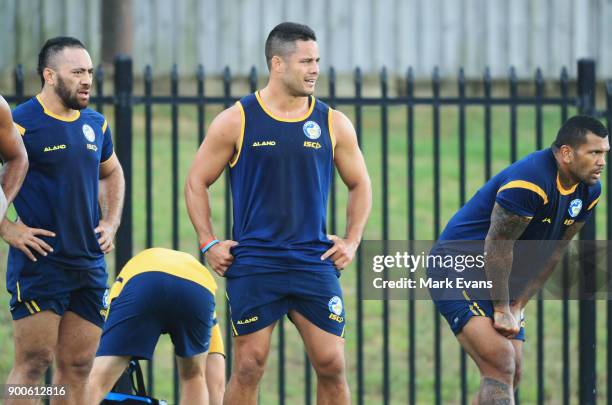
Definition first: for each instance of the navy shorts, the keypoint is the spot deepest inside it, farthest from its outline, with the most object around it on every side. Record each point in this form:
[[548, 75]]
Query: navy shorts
[[259, 300], [458, 305], [151, 304], [458, 312], [42, 286]]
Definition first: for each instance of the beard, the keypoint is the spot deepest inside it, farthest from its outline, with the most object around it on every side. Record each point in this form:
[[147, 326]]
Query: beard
[[69, 99]]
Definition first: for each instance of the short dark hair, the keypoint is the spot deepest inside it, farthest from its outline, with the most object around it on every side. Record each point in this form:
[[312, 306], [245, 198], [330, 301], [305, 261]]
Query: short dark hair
[[283, 36], [51, 48], [574, 131]]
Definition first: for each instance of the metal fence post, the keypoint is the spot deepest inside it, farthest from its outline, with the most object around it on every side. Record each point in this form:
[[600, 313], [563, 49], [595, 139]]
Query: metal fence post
[[123, 147], [609, 252], [587, 330]]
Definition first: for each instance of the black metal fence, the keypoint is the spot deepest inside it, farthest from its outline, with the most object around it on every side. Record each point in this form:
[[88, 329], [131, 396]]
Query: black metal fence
[[583, 99]]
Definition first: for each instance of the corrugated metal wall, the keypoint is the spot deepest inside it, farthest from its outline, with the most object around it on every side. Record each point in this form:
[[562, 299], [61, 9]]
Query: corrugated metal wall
[[367, 33]]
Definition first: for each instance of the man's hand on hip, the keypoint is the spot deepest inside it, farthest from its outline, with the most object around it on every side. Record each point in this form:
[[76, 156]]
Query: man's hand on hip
[[219, 256], [22, 237], [107, 235], [342, 253]]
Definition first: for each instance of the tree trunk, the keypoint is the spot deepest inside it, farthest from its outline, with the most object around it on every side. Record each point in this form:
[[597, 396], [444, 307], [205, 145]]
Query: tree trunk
[[117, 31]]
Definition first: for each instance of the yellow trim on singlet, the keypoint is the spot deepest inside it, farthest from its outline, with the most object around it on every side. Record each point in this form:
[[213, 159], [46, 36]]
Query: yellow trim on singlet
[[58, 117], [20, 129], [241, 139], [172, 262], [591, 205], [104, 126], [565, 191], [526, 185], [331, 133], [267, 111]]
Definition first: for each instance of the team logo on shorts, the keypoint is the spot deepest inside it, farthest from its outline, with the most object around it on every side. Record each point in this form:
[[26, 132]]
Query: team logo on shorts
[[575, 207], [89, 133], [312, 130], [335, 305], [105, 302]]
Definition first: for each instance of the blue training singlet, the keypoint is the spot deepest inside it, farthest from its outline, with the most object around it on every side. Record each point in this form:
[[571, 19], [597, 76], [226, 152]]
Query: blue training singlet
[[60, 191], [280, 180]]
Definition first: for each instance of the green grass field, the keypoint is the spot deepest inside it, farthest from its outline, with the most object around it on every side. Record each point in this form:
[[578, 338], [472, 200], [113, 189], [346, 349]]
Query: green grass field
[[398, 223]]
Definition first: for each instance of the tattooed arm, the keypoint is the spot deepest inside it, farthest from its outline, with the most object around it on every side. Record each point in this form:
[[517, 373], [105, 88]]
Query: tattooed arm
[[550, 266], [506, 227]]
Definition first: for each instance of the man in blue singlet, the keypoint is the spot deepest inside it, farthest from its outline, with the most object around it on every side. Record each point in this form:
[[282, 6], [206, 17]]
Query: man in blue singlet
[[14, 158], [282, 144], [56, 272], [544, 198]]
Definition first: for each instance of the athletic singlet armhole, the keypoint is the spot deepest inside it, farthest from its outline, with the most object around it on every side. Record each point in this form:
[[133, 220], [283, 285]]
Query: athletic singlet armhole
[[241, 139], [20, 129], [331, 132]]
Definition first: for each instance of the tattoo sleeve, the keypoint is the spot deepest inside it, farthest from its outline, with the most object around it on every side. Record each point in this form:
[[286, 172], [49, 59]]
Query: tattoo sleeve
[[506, 227], [494, 392]]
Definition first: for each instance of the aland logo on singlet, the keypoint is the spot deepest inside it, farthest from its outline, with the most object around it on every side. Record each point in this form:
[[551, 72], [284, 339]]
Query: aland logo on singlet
[[54, 148], [258, 144]]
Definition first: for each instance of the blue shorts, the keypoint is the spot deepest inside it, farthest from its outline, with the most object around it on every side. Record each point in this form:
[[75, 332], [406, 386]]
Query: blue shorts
[[40, 286], [458, 312], [259, 300], [151, 304], [458, 305]]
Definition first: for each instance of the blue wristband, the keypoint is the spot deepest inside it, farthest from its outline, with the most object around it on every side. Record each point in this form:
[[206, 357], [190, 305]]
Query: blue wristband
[[209, 245]]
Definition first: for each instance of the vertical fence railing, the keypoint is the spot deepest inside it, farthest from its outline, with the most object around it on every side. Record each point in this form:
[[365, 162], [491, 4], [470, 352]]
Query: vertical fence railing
[[609, 251], [411, 232], [384, 127], [227, 230], [487, 122], [461, 92], [124, 99], [123, 146], [565, 275], [201, 113], [587, 370], [435, 83], [513, 86], [148, 152], [174, 134], [359, 264], [539, 94]]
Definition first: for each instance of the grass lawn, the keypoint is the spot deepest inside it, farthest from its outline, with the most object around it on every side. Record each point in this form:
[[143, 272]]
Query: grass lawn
[[398, 224]]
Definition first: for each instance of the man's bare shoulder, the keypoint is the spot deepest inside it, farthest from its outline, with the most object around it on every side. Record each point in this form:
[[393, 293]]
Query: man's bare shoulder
[[342, 127], [228, 123], [5, 114], [4, 106]]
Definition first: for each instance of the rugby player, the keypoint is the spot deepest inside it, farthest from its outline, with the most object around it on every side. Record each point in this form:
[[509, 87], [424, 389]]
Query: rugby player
[[281, 145]]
